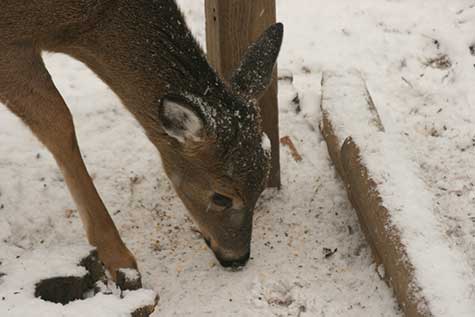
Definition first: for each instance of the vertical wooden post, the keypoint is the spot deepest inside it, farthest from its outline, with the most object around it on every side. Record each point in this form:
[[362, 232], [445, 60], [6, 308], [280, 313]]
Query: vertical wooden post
[[231, 26]]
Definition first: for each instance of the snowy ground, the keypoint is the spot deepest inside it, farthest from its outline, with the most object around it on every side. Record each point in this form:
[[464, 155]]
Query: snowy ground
[[427, 99]]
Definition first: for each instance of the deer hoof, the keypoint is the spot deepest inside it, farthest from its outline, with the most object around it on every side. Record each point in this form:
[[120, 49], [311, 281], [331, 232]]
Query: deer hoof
[[128, 279]]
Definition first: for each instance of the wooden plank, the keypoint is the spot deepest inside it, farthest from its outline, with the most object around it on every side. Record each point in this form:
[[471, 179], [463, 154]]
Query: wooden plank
[[231, 26], [364, 194]]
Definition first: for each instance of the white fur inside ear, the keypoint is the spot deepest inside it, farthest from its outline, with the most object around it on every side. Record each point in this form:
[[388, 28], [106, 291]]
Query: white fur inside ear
[[180, 122]]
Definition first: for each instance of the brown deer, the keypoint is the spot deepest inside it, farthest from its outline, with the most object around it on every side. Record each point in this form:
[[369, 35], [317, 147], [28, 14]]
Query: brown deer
[[208, 131]]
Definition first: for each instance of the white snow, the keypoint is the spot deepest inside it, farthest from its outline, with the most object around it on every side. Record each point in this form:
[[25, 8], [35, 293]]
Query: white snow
[[130, 274], [23, 274], [391, 42], [443, 274], [265, 141], [17, 287]]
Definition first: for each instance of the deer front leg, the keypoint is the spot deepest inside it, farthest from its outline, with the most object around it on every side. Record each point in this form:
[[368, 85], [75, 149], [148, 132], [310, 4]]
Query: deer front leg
[[100, 229], [28, 91]]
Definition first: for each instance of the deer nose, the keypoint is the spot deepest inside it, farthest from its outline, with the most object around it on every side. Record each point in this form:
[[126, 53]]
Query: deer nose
[[234, 263]]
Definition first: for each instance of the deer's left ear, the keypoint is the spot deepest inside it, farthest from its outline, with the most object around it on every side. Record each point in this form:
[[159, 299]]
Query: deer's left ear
[[180, 121], [254, 73]]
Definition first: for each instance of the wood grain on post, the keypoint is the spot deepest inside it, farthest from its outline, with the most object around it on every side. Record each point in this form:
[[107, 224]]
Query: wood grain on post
[[231, 26]]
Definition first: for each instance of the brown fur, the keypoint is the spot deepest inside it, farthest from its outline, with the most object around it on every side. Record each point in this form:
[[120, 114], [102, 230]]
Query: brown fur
[[144, 51]]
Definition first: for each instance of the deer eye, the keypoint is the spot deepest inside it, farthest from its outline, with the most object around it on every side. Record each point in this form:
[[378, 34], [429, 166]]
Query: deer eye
[[222, 201]]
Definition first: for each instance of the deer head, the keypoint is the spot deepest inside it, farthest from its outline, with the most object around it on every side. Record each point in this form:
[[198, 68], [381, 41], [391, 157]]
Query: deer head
[[214, 150]]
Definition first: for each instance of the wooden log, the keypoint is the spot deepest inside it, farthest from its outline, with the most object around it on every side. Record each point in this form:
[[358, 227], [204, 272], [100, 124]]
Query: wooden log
[[385, 240], [231, 26], [375, 220]]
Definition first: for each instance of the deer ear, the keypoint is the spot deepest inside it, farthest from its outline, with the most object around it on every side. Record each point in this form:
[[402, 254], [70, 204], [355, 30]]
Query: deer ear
[[254, 73], [180, 121]]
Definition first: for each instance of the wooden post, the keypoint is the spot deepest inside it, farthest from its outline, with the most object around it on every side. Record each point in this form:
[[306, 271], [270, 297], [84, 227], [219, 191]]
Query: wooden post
[[231, 26]]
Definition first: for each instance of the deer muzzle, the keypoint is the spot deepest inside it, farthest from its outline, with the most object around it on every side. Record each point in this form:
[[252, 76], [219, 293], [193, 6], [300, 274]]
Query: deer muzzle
[[231, 257]]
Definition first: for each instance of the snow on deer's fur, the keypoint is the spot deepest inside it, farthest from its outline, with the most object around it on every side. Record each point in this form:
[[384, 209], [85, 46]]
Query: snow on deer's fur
[[208, 132]]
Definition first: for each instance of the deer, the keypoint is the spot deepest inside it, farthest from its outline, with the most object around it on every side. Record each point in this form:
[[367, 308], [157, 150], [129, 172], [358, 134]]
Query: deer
[[207, 130]]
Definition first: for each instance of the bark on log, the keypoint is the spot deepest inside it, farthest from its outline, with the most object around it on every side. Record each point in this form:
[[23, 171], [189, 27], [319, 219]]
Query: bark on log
[[384, 239]]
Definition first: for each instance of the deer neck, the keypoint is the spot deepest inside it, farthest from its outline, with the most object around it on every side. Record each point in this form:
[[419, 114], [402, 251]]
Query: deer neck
[[143, 50]]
